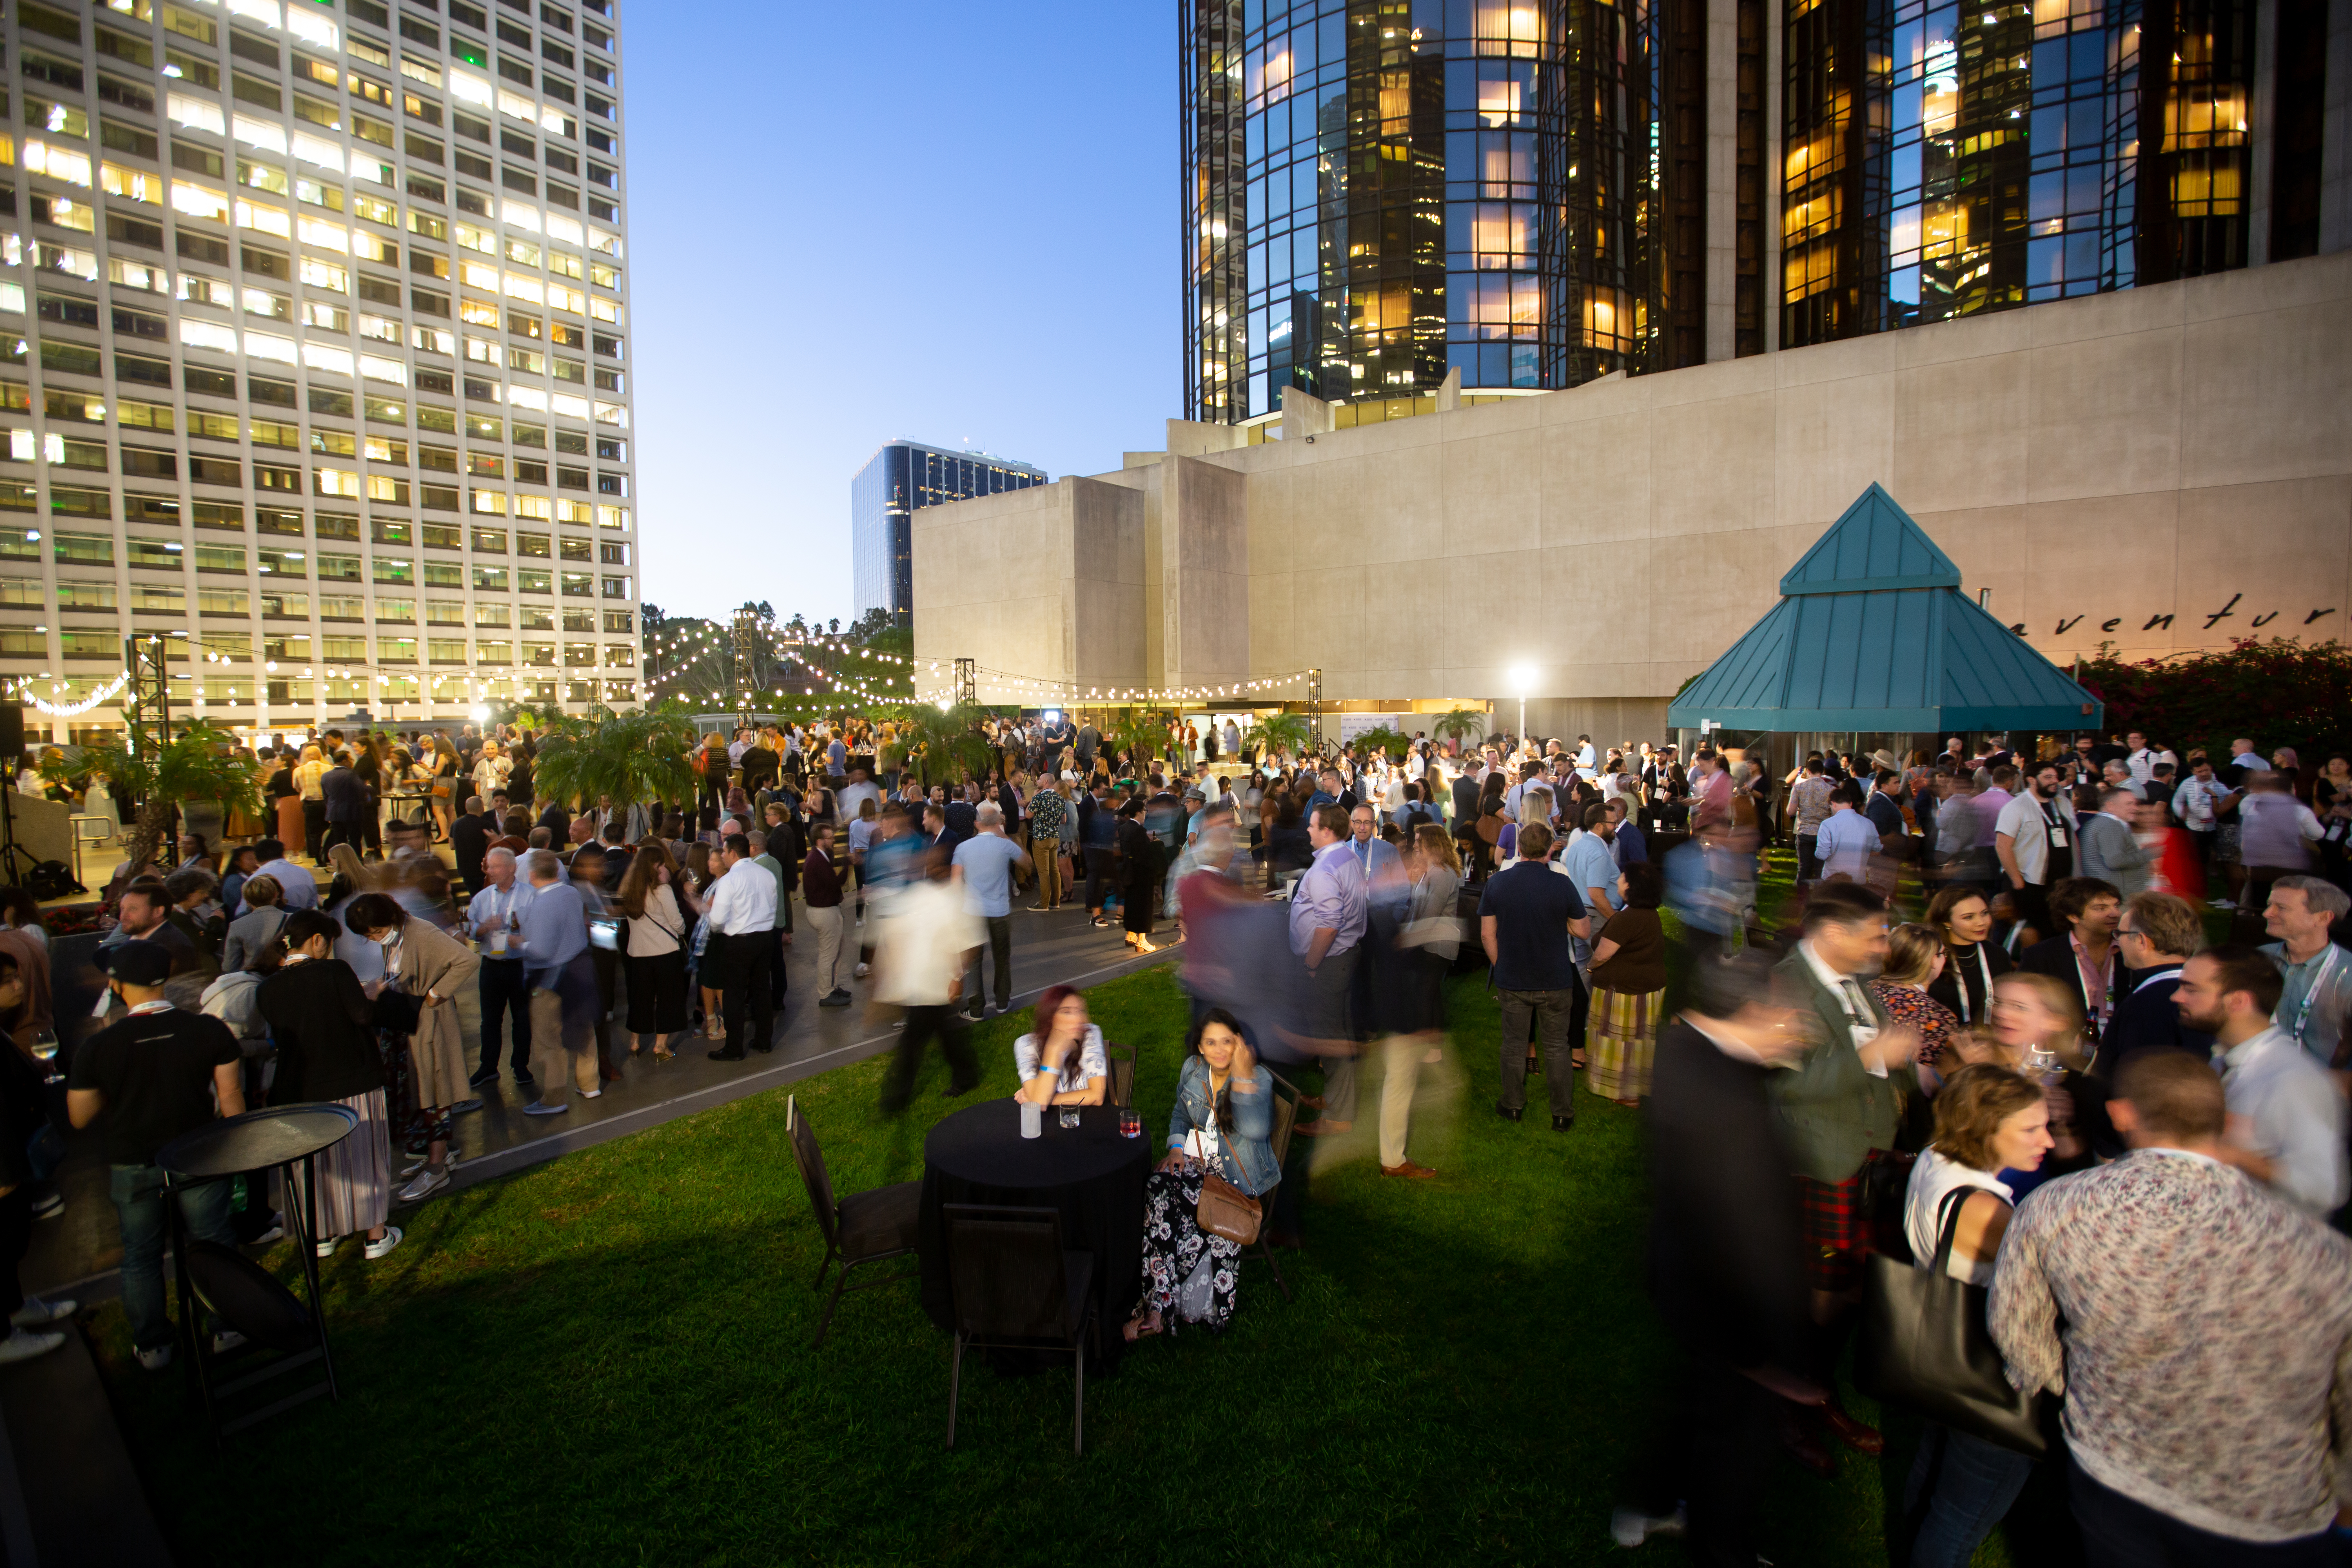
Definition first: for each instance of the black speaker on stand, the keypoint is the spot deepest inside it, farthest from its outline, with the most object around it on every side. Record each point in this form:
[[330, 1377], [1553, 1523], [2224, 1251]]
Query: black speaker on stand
[[14, 862]]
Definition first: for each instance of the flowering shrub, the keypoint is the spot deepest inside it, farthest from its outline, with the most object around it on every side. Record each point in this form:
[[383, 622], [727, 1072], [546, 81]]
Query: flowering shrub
[[2283, 692]]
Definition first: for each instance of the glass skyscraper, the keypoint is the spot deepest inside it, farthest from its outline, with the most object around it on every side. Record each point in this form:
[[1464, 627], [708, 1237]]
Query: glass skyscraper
[[1380, 191], [897, 479], [312, 356], [1947, 158]]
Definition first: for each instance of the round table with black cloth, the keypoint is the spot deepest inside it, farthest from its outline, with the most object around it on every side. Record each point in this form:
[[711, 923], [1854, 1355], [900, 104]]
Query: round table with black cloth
[[1090, 1174]]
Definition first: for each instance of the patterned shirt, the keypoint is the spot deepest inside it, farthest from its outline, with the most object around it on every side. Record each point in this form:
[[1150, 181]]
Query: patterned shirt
[[1811, 801], [2206, 1346]]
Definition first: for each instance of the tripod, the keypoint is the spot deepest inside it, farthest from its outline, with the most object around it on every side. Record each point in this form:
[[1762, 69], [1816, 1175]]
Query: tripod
[[11, 852]]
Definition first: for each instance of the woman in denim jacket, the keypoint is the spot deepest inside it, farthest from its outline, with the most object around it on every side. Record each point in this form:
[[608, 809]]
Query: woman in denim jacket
[[1224, 1111]]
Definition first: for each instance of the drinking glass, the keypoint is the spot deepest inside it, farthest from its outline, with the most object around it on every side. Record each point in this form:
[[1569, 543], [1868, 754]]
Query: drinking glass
[[1130, 1122], [1032, 1118], [1070, 1116]]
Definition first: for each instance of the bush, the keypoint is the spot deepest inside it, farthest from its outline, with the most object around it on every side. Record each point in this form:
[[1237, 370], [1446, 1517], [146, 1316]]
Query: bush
[[2284, 692]]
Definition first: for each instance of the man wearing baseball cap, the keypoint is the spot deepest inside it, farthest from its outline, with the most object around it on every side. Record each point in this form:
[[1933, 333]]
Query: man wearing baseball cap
[[152, 1075]]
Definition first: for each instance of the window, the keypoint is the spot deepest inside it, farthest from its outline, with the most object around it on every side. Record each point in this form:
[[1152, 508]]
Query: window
[[393, 570], [339, 568], [77, 502], [341, 607], [280, 562], [491, 579], [292, 606], [88, 549], [528, 581], [154, 553], [440, 536], [220, 558], [445, 650], [574, 549], [273, 433], [336, 525]]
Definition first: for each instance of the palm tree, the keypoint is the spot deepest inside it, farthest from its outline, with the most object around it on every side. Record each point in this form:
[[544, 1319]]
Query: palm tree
[[202, 762], [1139, 731], [1458, 724], [944, 743], [632, 757], [1277, 732], [1390, 741]]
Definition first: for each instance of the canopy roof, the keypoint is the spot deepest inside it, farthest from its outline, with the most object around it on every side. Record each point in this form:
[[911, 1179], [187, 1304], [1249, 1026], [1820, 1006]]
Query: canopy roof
[[1871, 635]]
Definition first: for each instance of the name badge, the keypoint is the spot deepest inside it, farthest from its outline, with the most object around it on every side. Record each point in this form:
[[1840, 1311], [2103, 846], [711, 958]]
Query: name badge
[[499, 941], [2058, 837]]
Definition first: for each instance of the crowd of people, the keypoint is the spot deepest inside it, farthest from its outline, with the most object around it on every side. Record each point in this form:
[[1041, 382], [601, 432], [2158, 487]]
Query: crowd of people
[[1987, 1030]]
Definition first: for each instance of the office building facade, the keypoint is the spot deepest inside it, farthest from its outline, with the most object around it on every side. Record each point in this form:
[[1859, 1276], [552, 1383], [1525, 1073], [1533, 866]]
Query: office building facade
[[1537, 192], [314, 364], [899, 479]]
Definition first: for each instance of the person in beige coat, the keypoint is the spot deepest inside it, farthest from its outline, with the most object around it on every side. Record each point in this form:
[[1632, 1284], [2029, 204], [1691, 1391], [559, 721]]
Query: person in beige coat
[[422, 961]]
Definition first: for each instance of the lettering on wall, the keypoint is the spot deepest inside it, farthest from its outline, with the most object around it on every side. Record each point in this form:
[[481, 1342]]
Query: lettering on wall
[[2212, 618]]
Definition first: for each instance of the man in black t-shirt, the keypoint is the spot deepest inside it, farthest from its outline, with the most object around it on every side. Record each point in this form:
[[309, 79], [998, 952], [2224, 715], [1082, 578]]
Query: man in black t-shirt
[[1526, 916], [151, 1076]]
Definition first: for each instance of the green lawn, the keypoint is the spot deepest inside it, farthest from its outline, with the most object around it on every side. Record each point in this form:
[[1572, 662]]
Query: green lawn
[[606, 1360]]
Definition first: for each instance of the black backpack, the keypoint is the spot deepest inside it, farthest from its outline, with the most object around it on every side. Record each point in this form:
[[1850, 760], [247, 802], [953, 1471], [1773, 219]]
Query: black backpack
[[52, 879]]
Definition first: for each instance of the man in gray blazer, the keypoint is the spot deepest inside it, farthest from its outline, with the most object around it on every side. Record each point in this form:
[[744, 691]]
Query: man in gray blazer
[[2111, 850]]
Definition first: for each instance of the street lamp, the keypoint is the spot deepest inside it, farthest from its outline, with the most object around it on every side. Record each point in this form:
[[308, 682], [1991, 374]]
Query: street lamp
[[1522, 679]]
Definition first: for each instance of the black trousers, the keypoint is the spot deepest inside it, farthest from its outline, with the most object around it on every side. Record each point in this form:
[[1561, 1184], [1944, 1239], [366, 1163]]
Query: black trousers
[[314, 828], [15, 1240], [1102, 863], [923, 1023], [777, 980], [747, 986], [504, 994], [999, 946], [1714, 1454]]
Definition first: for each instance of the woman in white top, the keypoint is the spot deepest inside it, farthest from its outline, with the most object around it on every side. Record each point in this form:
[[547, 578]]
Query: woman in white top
[[656, 956], [1068, 1066], [1987, 1119]]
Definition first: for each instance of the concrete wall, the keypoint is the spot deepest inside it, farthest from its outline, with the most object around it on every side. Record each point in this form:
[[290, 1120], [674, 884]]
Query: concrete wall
[[2097, 464]]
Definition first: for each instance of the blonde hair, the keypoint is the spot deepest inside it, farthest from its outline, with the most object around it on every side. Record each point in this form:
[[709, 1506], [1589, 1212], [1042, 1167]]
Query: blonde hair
[[1911, 951], [2056, 997], [1438, 844]]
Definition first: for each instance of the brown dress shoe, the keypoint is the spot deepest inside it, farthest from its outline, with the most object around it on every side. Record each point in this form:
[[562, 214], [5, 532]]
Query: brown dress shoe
[[1325, 1128], [1409, 1170], [1799, 1441], [1861, 1439]]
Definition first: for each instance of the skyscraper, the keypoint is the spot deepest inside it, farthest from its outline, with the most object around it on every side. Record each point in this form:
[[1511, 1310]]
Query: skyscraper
[[1536, 193], [900, 478], [317, 365], [1380, 191]]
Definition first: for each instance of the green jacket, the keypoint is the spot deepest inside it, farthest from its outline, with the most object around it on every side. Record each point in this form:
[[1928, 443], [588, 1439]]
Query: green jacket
[[1833, 1111]]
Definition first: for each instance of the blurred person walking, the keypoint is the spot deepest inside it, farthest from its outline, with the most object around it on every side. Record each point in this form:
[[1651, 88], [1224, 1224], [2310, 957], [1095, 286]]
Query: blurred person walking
[[1330, 912], [553, 943], [928, 941]]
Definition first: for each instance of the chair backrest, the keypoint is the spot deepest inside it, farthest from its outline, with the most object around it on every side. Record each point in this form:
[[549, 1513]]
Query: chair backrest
[[1122, 1075], [1005, 1272], [1286, 1113], [811, 1160]]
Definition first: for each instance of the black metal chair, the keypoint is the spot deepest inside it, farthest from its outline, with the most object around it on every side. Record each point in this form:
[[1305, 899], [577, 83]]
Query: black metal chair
[[1121, 1092], [1285, 1116], [864, 1227], [1016, 1288]]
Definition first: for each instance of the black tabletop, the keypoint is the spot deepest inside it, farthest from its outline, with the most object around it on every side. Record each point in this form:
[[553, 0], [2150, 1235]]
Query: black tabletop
[[257, 1139], [983, 1144], [1092, 1175]]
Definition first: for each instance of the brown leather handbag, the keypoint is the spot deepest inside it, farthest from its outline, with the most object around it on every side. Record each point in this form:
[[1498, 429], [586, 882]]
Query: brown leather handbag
[[1225, 1210]]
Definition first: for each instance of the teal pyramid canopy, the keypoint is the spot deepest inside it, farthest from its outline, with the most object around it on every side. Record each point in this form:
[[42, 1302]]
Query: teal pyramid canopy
[[1873, 635]]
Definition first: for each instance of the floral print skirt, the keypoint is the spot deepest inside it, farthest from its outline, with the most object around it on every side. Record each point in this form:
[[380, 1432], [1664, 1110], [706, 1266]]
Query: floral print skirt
[[1175, 1244]]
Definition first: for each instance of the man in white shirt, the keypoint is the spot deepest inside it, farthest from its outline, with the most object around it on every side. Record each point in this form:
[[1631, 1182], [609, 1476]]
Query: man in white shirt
[[2286, 1120], [742, 912], [928, 940], [493, 917], [2143, 758], [2035, 838]]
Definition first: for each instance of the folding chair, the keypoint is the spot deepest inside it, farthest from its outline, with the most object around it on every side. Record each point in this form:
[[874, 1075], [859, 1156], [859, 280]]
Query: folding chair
[[864, 1227], [1016, 1288]]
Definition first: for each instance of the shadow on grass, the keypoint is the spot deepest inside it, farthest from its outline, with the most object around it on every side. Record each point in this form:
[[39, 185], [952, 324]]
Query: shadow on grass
[[606, 1359]]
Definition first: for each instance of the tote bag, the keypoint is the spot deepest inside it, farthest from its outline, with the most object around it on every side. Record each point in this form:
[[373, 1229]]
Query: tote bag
[[1924, 1345]]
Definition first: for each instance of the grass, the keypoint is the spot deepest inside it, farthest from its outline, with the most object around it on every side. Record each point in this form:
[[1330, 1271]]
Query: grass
[[606, 1360]]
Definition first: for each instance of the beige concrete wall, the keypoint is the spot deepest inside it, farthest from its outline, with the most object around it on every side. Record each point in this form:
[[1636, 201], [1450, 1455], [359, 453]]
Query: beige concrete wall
[[1204, 544], [2115, 459]]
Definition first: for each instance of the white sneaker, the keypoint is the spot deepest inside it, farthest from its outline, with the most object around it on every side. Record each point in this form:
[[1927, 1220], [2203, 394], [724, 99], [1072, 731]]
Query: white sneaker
[[377, 1249], [429, 1182], [227, 1340], [591, 1094], [327, 1247], [22, 1346], [862, 970], [155, 1359], [1629, 1527], [41, 1314]]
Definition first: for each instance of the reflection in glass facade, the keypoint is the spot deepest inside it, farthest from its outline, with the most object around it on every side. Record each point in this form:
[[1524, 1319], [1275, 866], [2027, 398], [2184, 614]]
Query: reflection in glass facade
[[1380, 191], [1943, 159], [883, 499]]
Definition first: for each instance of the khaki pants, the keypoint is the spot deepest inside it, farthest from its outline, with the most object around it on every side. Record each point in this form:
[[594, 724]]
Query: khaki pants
[[826, 923], [1401, 1057], [551, 1055], [1047, 853]]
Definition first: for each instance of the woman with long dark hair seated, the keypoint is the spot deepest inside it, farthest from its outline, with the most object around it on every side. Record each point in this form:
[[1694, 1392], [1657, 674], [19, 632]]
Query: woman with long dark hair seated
[[1223, 1116]]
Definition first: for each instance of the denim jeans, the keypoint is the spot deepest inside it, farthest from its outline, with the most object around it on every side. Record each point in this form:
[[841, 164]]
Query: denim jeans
[[1967, 1484], [137, 1194]]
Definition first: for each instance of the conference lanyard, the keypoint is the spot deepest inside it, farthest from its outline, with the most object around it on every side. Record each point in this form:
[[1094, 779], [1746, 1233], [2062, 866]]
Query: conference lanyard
[[1960, 984], [2311, 992]]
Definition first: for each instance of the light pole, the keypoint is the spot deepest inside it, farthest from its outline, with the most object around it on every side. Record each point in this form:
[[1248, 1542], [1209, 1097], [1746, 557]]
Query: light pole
[[1523, 677]]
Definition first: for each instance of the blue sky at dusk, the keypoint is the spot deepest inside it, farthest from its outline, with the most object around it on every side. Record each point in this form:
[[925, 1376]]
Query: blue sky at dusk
[[948, 221]]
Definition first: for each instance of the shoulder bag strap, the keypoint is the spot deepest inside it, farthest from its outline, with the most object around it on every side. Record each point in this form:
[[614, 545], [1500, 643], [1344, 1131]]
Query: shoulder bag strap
[[1947, 1225]]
